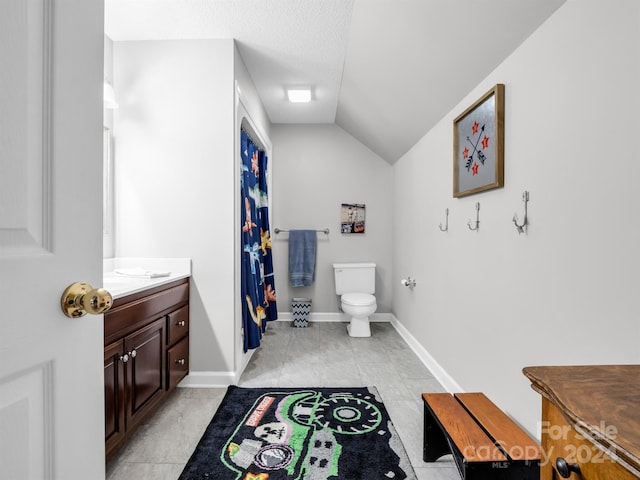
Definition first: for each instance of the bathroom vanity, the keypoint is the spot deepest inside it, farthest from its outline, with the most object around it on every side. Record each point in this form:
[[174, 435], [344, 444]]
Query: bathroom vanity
[[146, 351]]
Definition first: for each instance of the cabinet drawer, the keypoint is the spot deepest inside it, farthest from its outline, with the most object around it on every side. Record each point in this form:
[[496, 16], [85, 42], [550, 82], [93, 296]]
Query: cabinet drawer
[[177, 362], [177, 325], [560, 439], [127, 316]]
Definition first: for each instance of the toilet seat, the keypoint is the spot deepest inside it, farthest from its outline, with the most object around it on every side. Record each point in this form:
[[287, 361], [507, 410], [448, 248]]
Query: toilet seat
[[358, 299]]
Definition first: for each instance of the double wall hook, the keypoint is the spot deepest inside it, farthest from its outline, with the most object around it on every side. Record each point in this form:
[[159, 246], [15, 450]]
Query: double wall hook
[[477, 218], [446, 225], [522, 227]]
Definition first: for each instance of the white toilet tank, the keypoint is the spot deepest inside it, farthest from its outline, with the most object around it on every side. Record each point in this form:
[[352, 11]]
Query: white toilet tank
[[355, 277]]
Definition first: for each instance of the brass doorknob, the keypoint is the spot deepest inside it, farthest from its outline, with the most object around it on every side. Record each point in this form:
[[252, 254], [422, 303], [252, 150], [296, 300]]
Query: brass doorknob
[[78, 299]]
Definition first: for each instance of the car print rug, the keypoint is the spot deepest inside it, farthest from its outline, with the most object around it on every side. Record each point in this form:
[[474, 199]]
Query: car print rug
[[299, 433]]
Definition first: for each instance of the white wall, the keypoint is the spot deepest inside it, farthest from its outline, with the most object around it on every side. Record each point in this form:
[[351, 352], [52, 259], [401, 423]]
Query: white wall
[[316, 169], [175, 192], [489, 303]]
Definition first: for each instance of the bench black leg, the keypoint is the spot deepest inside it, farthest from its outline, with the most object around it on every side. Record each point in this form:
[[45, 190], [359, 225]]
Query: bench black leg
[[435, 443]]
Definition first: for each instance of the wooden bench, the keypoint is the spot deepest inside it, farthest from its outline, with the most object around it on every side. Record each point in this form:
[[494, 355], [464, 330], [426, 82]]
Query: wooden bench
[[485, 443]]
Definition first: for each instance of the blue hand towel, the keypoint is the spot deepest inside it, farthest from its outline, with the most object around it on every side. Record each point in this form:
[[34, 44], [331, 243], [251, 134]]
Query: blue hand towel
[[302, 257]]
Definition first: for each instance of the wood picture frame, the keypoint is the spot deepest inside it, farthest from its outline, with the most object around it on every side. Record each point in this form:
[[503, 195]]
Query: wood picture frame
[[478, 145]]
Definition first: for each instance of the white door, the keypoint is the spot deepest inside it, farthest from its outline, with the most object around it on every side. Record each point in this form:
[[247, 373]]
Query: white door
[[51, 366]]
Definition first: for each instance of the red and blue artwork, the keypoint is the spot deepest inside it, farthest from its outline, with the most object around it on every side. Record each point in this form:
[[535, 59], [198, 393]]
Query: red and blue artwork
[[474, 156], [476, 165], [479, 145]]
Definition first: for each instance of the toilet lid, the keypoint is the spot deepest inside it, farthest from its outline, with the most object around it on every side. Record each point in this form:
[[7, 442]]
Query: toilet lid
[[358, 299]]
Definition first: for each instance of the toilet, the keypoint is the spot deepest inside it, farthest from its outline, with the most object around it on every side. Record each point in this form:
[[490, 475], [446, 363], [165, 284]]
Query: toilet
[[356, 284]]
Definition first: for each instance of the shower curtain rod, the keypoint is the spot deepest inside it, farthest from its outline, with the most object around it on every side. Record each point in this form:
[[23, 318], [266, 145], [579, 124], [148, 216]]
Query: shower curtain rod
[[246, 128], [278, 230]]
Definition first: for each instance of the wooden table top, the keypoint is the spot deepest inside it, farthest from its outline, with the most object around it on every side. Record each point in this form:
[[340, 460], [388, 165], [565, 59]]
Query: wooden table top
[[603, 400]]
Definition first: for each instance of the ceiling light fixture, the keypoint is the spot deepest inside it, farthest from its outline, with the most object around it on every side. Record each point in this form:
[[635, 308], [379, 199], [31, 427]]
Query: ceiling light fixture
[[299, 95]]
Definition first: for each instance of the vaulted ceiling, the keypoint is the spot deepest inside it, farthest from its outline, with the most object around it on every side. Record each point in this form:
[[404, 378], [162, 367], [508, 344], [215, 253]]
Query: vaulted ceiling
[[386, 71]]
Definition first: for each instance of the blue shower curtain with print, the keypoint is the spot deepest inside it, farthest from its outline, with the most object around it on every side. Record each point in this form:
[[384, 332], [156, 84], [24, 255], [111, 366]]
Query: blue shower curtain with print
[[258, 286]]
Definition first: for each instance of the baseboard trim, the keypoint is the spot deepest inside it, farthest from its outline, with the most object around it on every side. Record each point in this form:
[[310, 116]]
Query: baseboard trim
[[440, 374], [334, 317], [209, 380]]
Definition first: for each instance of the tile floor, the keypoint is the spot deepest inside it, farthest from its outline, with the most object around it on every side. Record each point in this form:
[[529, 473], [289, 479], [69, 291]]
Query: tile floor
[[320, 355]]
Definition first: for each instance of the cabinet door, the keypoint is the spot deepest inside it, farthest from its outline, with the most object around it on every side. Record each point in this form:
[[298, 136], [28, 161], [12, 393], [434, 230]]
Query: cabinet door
[[146, 374], [114, 378]]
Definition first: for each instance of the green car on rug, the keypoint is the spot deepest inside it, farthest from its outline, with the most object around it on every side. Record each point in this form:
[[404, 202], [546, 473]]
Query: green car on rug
[[312, 433]]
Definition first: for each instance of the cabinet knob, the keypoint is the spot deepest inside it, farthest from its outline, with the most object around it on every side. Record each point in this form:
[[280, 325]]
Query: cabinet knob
[[180, 361], [124, 358], [133, 353], [565, 469], [181, 323]]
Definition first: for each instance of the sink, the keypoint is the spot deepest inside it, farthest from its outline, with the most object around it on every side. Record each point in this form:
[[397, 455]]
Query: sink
[[117, 285], [117, 280], [161, 271]]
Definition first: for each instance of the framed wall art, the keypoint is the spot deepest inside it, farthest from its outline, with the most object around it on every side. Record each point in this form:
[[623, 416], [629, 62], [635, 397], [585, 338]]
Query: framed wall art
[[478, 145], [352, 218]]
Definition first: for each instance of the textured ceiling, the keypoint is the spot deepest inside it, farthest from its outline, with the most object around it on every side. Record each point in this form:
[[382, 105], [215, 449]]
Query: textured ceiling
[[384, 70], [282, 42]]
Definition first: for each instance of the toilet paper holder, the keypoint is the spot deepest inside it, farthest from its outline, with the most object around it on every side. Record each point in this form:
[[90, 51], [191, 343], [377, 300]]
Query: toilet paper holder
[[408, 282]]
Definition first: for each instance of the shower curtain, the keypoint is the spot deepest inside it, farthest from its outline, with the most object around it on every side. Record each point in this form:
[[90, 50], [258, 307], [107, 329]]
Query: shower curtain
[[257, 285]]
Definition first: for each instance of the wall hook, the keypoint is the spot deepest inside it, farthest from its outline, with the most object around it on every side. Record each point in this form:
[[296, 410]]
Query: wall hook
[[522, 228], [477, 218], [446, 225]]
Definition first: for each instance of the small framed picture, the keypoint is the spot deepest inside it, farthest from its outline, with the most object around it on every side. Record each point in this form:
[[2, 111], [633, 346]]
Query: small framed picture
[[478, 145], [352, 218]]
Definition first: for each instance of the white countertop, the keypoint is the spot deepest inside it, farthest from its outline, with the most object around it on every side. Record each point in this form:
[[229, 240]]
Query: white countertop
[[120, 285]]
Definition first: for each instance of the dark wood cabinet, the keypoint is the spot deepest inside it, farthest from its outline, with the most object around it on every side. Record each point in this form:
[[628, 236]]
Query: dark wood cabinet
[[146, 370], [146, 354], [178, 346], [114, 394]]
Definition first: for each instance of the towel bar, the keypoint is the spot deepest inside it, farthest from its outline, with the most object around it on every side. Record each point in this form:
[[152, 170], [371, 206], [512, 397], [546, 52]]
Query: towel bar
[[278, 230]]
